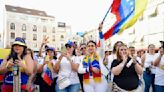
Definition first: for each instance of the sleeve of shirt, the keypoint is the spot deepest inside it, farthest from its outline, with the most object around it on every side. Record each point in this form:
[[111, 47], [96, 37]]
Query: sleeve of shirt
[[77, 59], [114, 63]]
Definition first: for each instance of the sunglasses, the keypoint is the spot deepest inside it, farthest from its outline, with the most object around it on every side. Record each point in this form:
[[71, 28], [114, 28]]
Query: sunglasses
[[123, 49], [83, 48]]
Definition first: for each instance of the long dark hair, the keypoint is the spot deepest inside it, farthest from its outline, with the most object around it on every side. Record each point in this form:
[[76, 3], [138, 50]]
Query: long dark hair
[[31, 52], [12, 53]]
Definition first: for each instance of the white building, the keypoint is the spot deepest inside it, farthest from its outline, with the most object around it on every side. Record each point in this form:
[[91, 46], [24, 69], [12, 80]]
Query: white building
[[150, 27], [94, 35], [32, 25]]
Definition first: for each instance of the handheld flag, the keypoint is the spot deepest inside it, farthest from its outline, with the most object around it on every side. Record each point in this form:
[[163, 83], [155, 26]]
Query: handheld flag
[[47, 74], [127, 12]]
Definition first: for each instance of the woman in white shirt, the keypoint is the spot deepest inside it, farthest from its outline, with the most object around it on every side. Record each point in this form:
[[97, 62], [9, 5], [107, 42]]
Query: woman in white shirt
[[67, 66], [159, 76], [149, 69]]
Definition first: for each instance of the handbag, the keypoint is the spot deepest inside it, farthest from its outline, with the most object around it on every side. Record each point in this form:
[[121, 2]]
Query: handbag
[[63, 82]]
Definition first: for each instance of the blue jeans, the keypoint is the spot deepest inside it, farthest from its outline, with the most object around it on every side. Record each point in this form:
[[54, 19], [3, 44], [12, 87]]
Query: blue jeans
[[149, 80], [159, 88], [70, 88]]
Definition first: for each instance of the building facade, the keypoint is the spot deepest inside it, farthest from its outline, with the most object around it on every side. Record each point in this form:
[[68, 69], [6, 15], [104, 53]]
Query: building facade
[[150, 27], [33, 26]]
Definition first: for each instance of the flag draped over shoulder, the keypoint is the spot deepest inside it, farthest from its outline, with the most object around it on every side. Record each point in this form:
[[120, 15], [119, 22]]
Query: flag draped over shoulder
[[3, 54], [47, 74], [127, 12]]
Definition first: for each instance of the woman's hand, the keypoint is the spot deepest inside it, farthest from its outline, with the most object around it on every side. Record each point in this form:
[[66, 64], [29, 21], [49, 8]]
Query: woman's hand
[[45, 40], [161, 51], [20, 63], [100, 27], [124, 57], [9, 64]]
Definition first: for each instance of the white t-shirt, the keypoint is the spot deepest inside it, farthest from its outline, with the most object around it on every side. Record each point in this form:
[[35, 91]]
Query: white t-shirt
[[159, 76], [148, 60], [66, 69], [110, 60]]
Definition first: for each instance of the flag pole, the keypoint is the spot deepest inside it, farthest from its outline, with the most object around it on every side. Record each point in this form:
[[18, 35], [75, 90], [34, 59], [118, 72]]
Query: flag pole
[[106, 14]]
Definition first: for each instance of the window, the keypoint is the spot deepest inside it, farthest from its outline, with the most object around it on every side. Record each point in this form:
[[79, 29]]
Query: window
[[44, 29], [53, 30], [62, 46], [34, 28], [34, 37], [12, 26], [43, 20], [24, 27], [12, 35], [53, 38], [61, 24], [24, 36], [62, 37], [35, 45], [10, 44]]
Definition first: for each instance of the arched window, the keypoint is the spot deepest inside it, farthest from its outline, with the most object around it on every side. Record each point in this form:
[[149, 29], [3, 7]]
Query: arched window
[[34, 28], [12, 26], [34, 37], [62, 37], [53, 38], [44, 29], [53, 30], [24, 27], [12, 35]]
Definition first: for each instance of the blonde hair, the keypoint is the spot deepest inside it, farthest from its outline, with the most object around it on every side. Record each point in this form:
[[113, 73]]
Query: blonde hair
[[119, 58]]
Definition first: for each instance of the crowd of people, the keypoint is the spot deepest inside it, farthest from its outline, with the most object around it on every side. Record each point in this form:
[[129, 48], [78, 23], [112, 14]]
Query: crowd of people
[[85, 68]]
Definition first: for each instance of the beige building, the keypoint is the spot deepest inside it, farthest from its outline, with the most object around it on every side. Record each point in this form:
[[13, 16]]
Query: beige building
[[94, 35], [33, 26], [76, 38], [62, 35], [91, 35]]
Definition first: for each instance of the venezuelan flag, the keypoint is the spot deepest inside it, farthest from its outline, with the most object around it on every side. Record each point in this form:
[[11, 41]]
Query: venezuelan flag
[[47, 74], [3, 54], [126, 12], [140, 6]]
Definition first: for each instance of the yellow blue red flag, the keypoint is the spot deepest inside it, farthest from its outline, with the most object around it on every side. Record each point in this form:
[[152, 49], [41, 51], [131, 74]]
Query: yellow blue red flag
[[127, 12]]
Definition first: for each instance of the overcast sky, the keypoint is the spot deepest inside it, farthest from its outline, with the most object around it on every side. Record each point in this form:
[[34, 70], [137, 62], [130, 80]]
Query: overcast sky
[[81, 15]]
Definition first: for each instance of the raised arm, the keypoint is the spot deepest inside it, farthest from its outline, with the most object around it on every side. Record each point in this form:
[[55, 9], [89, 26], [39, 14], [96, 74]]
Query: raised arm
[[101, 52], [44, 42], [157, 61]]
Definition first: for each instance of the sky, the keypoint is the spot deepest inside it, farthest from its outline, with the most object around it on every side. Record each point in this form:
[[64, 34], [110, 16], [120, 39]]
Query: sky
[[81, 15]]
